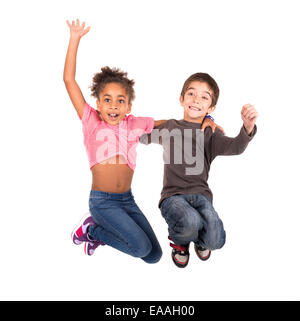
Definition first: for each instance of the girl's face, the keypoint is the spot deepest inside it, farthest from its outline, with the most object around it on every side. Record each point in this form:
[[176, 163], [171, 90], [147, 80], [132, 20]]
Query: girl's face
[[113, 103], [197, 101]]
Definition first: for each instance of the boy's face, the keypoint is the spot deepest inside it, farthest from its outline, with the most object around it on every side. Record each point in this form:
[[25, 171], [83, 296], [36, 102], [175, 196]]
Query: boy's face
[[197, 101], [113, 103]]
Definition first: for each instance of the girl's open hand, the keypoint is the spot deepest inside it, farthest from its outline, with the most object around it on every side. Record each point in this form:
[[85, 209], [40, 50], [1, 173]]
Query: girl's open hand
[[77, 30], [210, 123]]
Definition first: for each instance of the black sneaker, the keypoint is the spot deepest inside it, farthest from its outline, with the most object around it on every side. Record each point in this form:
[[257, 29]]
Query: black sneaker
[[180, 254], [202, 253]]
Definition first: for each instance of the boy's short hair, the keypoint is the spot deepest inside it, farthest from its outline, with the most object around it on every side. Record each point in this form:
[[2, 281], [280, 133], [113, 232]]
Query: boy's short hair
[[110, 75], [203, 77]]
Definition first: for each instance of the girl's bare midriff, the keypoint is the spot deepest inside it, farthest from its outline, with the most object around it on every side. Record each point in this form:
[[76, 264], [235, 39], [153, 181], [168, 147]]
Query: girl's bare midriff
[[112, 176]]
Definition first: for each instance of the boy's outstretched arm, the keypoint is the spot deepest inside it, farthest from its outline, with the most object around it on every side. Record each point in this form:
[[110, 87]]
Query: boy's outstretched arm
[[223, 145], [76, 32]]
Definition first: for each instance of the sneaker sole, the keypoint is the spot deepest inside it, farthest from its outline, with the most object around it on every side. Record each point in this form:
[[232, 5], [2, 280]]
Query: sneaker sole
[[85, 248]]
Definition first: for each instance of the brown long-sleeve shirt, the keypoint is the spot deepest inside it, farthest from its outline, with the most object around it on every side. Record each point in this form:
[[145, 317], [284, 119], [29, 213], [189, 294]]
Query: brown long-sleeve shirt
[[188, 153]]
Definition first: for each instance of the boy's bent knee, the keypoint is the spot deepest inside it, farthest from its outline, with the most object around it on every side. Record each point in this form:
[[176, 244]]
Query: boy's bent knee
[[217, 242], [187, 228]]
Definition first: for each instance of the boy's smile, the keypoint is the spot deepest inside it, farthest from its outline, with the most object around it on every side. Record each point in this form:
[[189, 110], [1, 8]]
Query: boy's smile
[[113, 103], [197, 101]]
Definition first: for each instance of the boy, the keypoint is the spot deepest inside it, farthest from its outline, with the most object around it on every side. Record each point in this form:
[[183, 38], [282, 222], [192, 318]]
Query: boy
[[186, 199]]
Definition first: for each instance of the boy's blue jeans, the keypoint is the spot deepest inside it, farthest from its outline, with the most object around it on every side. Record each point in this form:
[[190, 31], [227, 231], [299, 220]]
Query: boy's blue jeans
[[192, 218], [122, 225]]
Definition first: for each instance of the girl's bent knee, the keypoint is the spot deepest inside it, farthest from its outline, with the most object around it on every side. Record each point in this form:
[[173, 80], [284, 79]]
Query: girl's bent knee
[[143, 250], [153, 257]]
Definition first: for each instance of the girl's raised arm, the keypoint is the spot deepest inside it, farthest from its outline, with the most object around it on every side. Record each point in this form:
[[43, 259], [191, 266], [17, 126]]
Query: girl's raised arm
[[76, 32]]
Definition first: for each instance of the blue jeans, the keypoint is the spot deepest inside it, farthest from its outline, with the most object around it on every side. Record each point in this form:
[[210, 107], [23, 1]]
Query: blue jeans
[[122, 225], [192, 218]]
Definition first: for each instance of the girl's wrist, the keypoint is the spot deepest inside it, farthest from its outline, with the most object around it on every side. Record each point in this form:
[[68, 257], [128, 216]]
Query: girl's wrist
[[210, 117], [75, 37]]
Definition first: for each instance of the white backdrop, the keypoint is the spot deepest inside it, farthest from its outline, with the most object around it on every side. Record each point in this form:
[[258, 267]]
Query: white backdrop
[[252, 50]]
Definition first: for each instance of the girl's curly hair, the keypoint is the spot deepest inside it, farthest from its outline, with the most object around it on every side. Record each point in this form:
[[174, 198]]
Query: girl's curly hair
[[109, 75]]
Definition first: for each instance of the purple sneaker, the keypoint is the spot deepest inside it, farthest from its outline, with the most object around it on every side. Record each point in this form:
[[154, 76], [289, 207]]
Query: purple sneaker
[[90, 246], [79, 234]]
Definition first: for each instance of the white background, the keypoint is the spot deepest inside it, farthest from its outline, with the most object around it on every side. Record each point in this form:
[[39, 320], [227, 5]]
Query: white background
[[252, 50]]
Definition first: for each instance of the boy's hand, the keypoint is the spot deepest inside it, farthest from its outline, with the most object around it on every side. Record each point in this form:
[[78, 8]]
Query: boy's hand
[[209, 123], [77, 30], [249, 116]]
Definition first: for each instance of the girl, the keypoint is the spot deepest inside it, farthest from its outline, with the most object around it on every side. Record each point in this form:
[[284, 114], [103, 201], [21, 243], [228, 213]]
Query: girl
[[110, 138]]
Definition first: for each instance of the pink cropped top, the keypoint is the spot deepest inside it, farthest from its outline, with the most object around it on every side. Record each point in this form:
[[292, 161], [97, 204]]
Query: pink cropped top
[[103, 141]]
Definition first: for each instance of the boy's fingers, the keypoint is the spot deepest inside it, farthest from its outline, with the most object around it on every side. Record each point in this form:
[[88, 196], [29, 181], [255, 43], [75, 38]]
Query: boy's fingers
[[68, 23], [248, 111], [246, 107], [251, 114], [246, 114]]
